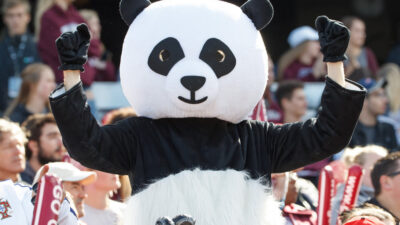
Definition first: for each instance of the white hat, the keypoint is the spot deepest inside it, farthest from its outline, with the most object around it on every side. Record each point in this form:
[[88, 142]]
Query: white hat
[[302, 34], [67, 172]]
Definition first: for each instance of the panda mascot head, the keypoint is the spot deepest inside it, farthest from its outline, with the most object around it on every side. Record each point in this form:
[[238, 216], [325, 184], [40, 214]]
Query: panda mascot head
[[194, 58]]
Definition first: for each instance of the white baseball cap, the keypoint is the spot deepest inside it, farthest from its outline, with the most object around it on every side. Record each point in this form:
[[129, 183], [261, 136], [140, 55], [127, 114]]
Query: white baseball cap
[[68, 172], [302, 34]]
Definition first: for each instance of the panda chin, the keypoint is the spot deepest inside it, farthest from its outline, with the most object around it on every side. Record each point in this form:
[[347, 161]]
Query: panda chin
[[192, 100]]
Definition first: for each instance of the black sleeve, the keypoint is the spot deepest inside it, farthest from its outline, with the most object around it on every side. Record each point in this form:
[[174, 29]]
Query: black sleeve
[[110, 148], [298, 144]]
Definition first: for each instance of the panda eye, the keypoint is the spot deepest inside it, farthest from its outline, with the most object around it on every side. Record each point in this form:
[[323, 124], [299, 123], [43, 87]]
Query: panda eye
[[220, 56], [164, 55]]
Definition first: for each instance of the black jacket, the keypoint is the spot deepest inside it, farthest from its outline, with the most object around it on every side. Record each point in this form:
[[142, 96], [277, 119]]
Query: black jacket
[[384, 136], [148, 149]]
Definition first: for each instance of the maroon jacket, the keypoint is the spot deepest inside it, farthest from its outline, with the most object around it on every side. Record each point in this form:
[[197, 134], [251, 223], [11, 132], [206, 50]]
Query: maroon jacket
[[54, 22], [299, 71]]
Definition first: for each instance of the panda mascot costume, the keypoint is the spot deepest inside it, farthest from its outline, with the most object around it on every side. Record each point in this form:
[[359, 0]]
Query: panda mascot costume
[[193, 70]]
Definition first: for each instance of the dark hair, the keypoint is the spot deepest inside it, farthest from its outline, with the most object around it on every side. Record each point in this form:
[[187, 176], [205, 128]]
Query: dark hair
[[9, 4], [286, 89], [384, 166], [33, 128]]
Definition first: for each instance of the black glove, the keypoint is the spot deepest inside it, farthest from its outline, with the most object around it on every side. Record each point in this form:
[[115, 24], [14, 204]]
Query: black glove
[[72, 48], [183, 220], [164, 221], [333, 38]]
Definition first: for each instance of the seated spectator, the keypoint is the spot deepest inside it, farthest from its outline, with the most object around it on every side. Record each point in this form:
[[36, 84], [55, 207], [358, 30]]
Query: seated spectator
[[385, 178], [73, 180], [391, 72], [17, 48], [99, 208], [105, 69], [292, 100], [267, 108], [368, 214], [54, 17], [285, 191], [366, 158], [12, 150], [44, 144], [17, 205], [304, 60], [360, 58], [369, 130], [33, 97]]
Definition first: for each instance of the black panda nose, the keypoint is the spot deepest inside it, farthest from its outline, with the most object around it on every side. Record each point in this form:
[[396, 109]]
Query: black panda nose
[[193, 83]]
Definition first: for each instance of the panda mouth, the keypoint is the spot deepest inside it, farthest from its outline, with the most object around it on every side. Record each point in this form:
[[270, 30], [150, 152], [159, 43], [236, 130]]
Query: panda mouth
[[192, 99]]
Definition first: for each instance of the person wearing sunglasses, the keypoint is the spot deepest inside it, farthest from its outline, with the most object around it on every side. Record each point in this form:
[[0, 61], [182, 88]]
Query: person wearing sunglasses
[[385, 178]]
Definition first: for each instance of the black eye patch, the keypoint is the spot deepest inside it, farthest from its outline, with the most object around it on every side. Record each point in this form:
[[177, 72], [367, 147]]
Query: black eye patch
[[165, 55], [218, 56]]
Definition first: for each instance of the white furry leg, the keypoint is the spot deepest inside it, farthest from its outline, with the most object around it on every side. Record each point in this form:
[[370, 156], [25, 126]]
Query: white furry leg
[[211, 197]]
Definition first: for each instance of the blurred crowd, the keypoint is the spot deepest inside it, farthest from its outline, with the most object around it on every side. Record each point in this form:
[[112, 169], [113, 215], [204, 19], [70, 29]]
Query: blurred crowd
[[30, 139]]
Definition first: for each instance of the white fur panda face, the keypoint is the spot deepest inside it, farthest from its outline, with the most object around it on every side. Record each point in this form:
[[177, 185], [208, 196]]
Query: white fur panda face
[[193, 58]]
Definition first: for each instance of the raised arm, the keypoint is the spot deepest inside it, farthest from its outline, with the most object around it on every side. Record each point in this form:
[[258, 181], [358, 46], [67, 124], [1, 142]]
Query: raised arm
[[298, 144], [109, 148]]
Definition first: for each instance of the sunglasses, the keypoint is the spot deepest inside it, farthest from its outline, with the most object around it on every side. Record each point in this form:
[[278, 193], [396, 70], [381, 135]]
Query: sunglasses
[[394, 174]]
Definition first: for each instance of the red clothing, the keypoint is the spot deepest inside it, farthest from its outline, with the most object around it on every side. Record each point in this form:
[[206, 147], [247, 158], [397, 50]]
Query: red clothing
[[54, 22], [299, 215], [299, 71], [372, 62]]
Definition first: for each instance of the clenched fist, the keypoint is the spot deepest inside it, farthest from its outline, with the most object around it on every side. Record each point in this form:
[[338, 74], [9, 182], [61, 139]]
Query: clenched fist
[[333, 38], [73, 48]]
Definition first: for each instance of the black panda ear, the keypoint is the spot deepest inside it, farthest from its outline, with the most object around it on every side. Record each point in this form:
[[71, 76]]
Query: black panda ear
[[129, 9], [259, 11]]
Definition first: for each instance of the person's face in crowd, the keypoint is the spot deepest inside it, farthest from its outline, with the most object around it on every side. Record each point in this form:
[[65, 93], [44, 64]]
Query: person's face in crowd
[[357, 31], [46, 84], [370, 160], [50, 146], [12, 156], [376, 102], [77, 190], [106, 181], [313, 48], [297, 104], [17, 19], [390, 185], [95, 27]]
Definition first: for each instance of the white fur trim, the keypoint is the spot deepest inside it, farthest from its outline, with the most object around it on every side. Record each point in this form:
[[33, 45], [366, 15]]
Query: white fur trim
[[351, 86], [211, 197]]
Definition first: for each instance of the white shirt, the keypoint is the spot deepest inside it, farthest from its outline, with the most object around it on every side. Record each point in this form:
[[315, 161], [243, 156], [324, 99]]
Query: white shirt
[[16, 207], [112, 215]]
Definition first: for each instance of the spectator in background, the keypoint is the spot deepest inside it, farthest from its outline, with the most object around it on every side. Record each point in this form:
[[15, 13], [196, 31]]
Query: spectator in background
[[105, 69], [33, 97], [385, 178], [304, 60], [54, 17], [17, 48], [12, 150], [44, 144], [369, 130], [361, 60], [365, 157], [292, 100], [391, 72], [73, 180], [368, 214], [267, 108], [99, 208]]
